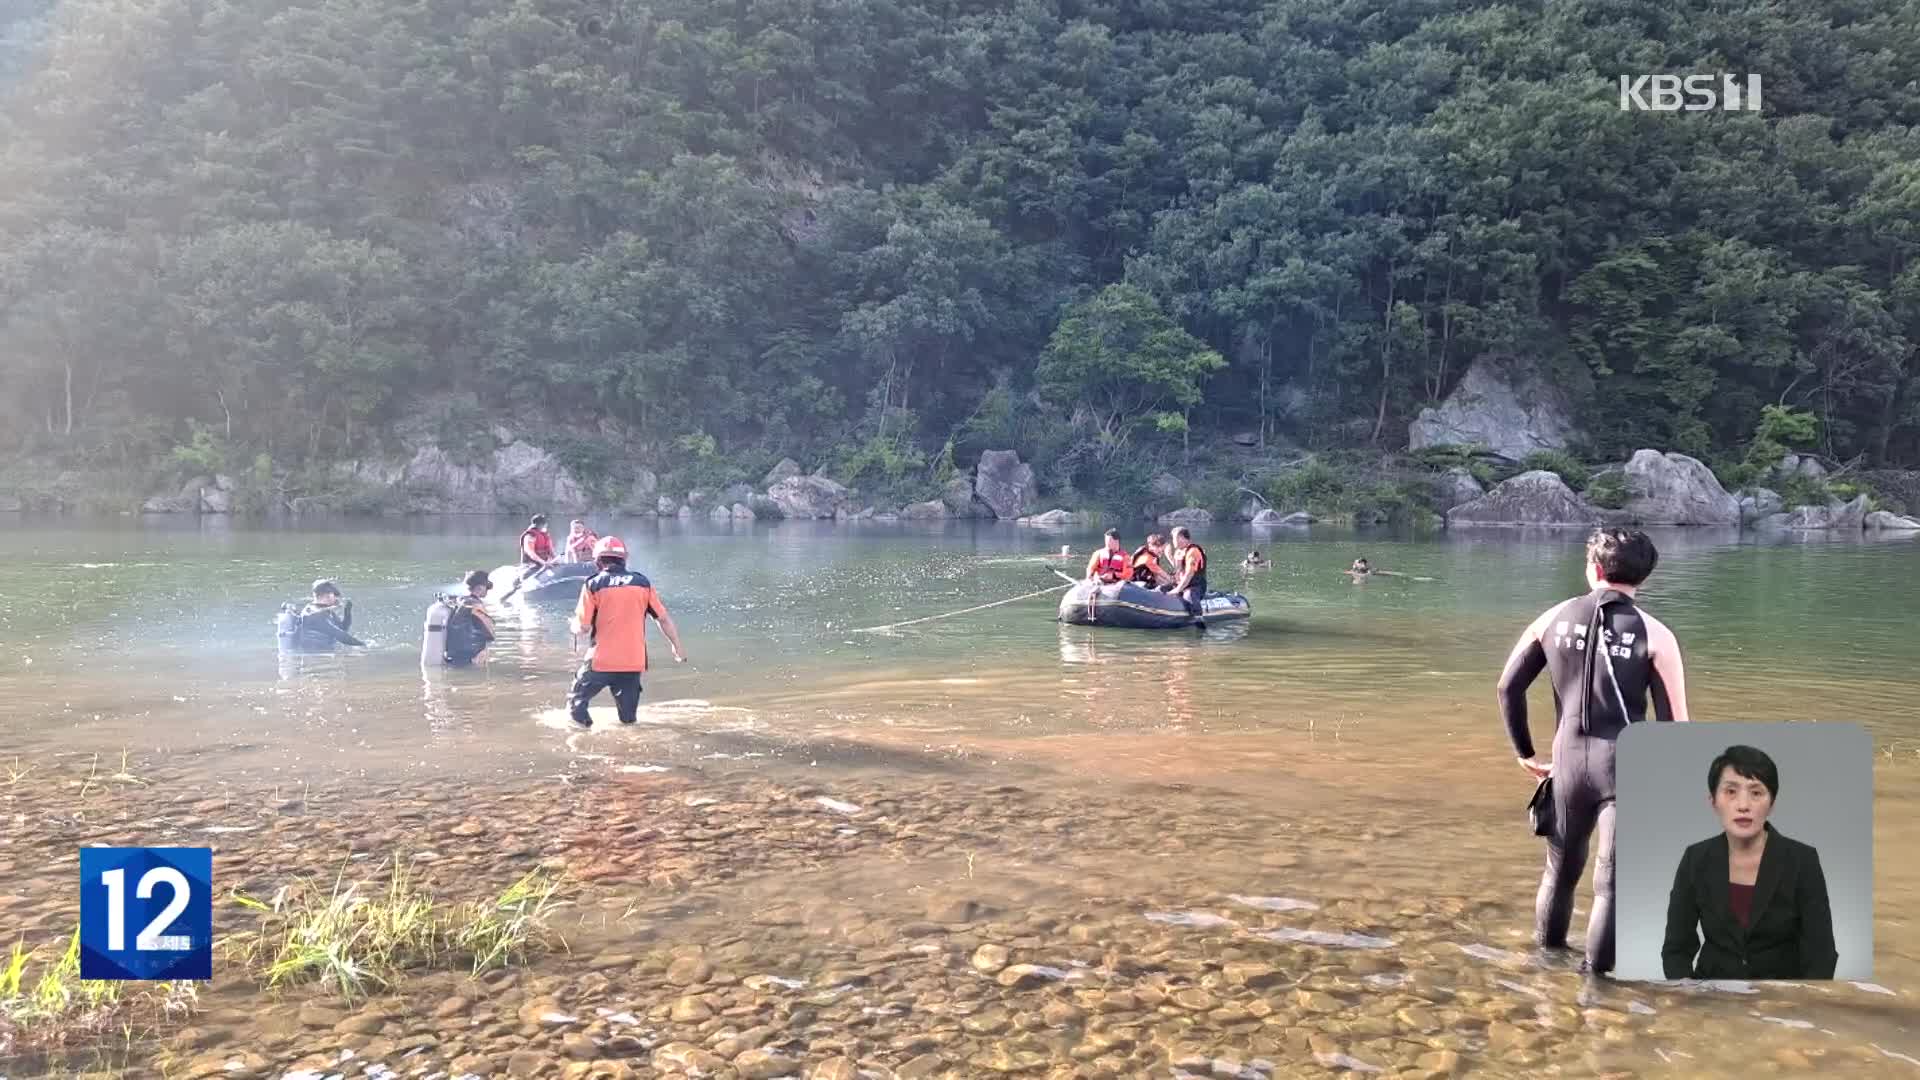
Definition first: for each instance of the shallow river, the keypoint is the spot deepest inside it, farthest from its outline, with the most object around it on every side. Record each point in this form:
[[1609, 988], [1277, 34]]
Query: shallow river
[[1293, 847]]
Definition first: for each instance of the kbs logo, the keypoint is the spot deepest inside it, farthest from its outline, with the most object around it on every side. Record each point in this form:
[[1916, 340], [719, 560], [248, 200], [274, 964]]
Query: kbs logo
[[1690, 93]]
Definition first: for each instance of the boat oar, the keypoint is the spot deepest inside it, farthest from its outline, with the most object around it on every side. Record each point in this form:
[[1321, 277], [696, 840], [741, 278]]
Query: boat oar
[[524, 578]]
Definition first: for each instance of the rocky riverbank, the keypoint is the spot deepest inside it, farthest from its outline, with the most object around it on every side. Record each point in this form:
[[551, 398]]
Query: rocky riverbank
[[738, 926]]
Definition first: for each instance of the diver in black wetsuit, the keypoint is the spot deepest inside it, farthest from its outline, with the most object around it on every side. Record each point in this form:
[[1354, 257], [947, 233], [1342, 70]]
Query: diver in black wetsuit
[[1597, 693], [324, 623]]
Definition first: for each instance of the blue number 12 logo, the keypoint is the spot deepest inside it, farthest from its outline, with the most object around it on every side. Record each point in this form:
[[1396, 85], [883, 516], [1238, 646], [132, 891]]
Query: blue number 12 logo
[[146, 913]]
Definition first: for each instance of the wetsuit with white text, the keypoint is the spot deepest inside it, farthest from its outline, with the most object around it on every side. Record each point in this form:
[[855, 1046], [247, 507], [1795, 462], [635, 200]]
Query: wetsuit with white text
[[1596, 694]]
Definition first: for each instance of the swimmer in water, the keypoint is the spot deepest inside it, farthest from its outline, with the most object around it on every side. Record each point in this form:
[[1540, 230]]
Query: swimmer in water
[[1254, 561]]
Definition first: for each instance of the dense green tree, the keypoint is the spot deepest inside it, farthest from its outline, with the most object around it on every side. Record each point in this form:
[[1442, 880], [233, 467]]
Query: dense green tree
[[855, 231]]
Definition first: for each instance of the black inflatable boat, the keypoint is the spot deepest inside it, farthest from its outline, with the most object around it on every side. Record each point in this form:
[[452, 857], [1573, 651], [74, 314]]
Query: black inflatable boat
[[1126, 604], [559, 581]]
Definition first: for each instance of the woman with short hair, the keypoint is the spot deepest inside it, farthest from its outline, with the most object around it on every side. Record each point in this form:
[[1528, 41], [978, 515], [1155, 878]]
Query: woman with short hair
[[1758, 898]]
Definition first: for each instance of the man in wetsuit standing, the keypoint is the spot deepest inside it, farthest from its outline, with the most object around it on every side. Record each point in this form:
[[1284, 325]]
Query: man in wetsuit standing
[[1597, 692]]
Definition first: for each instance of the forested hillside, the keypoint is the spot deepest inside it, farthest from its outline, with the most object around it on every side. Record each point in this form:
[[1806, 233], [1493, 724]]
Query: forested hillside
[[887, 234]]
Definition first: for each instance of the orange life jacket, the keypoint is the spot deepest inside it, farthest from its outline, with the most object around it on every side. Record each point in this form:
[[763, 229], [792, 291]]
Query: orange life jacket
[[1107, 564]]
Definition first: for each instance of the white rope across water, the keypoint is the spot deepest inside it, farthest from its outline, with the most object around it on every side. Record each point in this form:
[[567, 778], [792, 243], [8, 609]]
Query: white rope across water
[[966, 611]]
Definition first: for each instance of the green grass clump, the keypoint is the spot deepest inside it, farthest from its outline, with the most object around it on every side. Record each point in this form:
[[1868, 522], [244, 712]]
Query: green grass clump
[[56, 1008], [1568, 468], [1608, 490], [350, 939]]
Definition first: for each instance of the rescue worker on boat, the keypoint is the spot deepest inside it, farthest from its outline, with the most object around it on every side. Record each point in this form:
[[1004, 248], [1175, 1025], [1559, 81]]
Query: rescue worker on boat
[[1109, 564], [536, 546], [1190, 560], [1148, 573], [613, 610], [580, 541]]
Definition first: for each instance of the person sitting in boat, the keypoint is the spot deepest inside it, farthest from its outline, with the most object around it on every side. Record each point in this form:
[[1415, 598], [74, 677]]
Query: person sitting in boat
[[1254, 561], [580, 541], [536, 546], [1109, 564], [1190, 559], [1147, 569]]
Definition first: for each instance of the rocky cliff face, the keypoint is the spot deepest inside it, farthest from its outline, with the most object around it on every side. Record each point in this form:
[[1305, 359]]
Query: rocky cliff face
[[1494, 406]]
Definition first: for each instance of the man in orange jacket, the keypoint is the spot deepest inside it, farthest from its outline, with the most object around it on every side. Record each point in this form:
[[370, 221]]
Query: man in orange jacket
[[614, 607]]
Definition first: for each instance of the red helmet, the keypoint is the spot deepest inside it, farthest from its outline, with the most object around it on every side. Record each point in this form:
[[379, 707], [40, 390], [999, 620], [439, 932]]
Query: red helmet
[[609, 547]]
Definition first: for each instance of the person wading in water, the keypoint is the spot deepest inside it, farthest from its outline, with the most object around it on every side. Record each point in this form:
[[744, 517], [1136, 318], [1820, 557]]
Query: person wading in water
[[1607, 659]]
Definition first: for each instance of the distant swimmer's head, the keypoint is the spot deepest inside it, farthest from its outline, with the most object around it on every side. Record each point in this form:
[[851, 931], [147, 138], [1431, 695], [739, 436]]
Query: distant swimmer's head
[[478, 583], [1618, 556], [1742, 784], [325, 592], [1361, 566]]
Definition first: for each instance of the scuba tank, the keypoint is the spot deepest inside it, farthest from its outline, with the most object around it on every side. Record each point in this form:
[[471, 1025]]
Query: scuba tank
[[286, 626], [433, 642]]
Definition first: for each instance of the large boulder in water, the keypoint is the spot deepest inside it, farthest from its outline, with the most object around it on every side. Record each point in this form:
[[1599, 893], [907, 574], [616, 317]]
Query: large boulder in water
[[1674, 489], [1882, 521], [959, 500], [1833, 516], [1532, 498], [808, 498], [1456, 487], [1004, 483], [1759, 503], [518, 478], [1299, 519], [764, 509], [931, 510], [1189, 516], [1052, 519], [1499, 407]]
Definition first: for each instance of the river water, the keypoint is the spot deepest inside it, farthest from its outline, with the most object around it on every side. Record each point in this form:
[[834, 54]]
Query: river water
[[1325, 789]]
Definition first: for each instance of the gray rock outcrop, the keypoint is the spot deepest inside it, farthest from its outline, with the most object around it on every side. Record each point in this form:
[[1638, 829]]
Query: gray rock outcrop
[[1883, 521], [1758, 503], [1455, 487], [186, 502], [808, 498], [931, 510], [1189, 516], [1275, 519], [1004, 483], [1848, 516], [787, 469], [1052, 518], [1532, 498], [1494, 406], [959, 500], [1674, 489]]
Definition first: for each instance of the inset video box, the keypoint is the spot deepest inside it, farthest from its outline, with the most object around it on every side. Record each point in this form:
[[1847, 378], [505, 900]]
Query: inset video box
[[1745, 852]]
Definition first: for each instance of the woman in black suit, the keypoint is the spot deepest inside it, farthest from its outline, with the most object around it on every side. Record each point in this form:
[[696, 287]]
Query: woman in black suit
[[1758, 897]]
